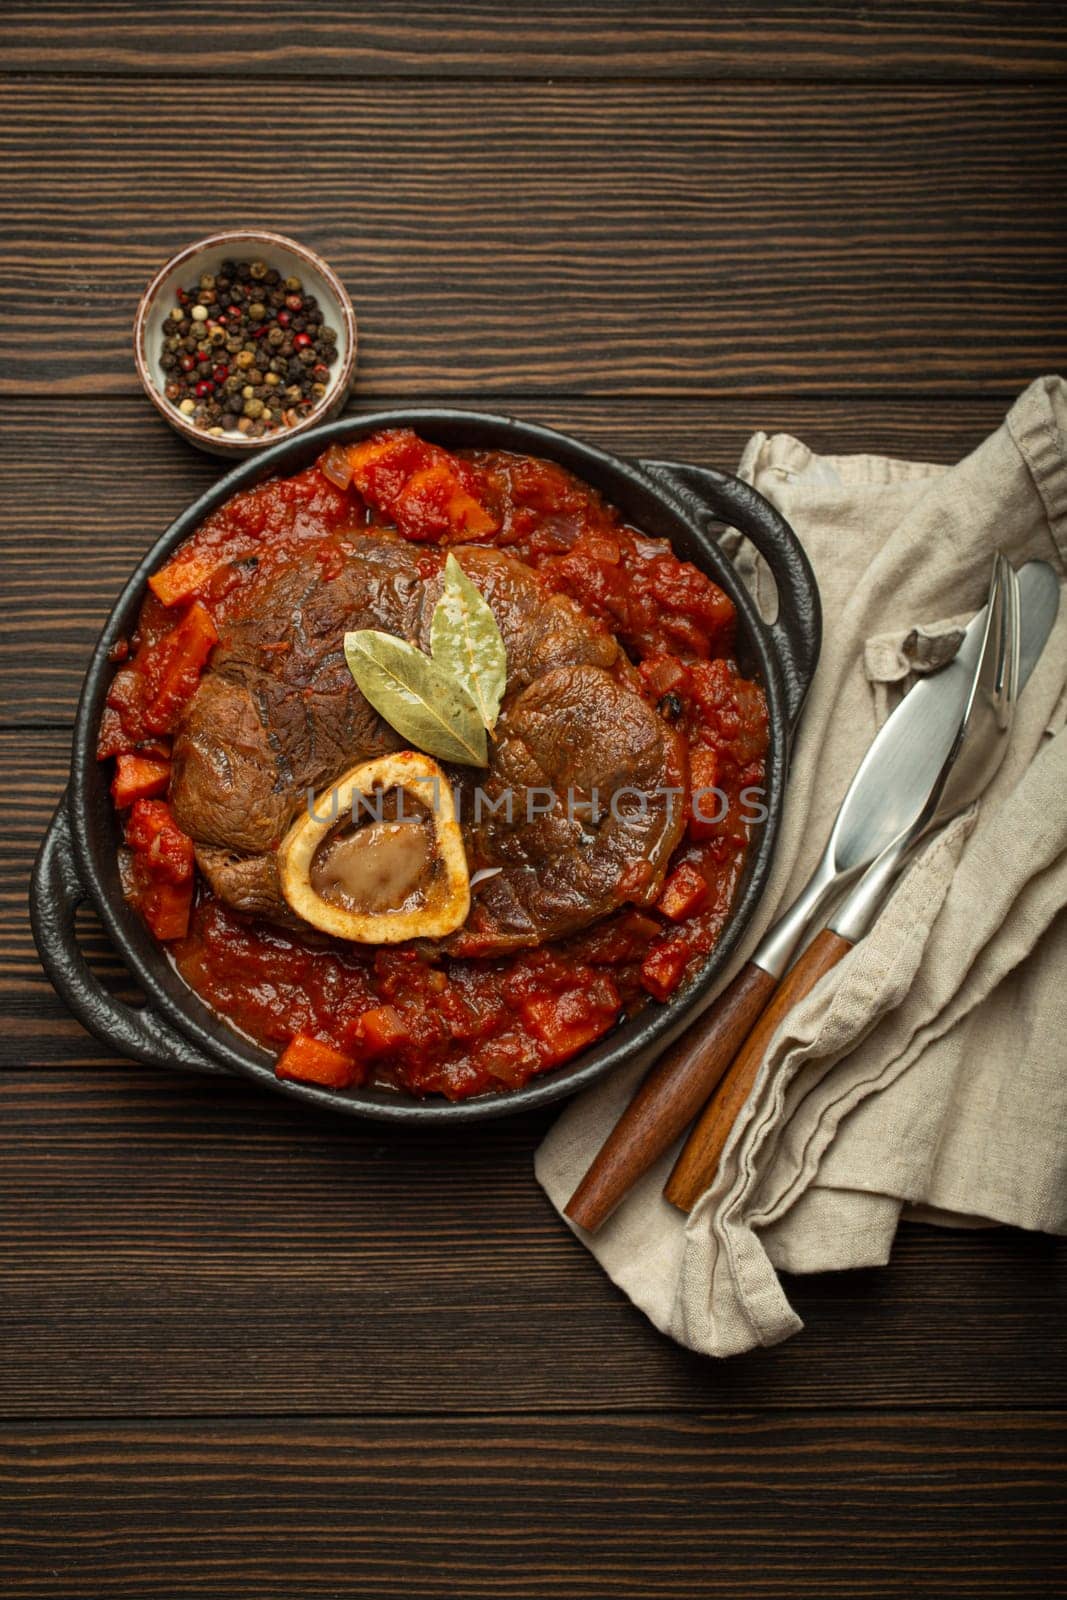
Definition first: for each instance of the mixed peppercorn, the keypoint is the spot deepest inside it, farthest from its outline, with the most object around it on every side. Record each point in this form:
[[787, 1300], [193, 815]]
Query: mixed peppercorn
[[246, 350]]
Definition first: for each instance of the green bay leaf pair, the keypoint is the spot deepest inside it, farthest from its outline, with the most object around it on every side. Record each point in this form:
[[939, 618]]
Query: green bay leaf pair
[[444, 705]]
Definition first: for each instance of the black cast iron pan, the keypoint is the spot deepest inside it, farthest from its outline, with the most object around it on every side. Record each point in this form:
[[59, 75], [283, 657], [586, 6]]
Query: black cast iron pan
[[77, 861]]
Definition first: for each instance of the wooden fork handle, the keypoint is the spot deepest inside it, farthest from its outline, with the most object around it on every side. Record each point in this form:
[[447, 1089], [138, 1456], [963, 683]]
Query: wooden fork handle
[[670, 1097], [696, 1166]]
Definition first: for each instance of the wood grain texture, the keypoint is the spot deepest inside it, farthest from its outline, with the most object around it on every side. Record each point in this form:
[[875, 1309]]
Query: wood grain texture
[[171, 1245], [595, 239], [595, 38], [71, 536], [254, 1351], [878, 1506]]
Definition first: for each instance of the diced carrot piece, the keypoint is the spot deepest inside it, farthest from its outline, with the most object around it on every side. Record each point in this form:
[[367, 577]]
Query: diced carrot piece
[[164, 852], [181, 578], [434, 504], [663, 968], [138, 778], [166, 908], [146, 822], [376, 1032], [308, 1060], [569, 1022], [684, 892], [706, 803], [163, 861], [184, 655], [383, 464], [420, 485]]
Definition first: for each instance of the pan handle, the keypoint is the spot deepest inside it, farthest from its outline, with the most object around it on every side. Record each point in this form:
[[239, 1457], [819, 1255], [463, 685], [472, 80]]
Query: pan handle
[[56, 892], [797, 630]]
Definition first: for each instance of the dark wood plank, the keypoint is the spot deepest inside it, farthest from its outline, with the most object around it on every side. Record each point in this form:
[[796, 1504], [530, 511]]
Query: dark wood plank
[[589, 238], [78, 515], [598, 38], [629, 1508], [172, 1244]]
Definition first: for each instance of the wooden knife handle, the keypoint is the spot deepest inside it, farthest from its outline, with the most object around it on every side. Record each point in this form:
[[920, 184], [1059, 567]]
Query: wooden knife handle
[[696, 1166], [669, 1097]]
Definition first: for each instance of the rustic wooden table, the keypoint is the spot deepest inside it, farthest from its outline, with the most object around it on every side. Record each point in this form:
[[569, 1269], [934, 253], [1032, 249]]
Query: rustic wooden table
[[252, 1352]]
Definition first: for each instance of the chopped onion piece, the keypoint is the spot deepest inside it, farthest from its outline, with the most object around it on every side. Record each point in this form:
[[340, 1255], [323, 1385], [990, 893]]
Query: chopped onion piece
[[334, 465]]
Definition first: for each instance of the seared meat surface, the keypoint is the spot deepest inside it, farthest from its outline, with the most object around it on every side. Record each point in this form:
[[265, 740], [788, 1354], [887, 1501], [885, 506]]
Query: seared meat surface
[[588, 768], [277, 713]]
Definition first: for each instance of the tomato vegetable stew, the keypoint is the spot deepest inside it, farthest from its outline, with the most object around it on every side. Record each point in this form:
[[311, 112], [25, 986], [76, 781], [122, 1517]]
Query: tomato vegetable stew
[[328, 649]]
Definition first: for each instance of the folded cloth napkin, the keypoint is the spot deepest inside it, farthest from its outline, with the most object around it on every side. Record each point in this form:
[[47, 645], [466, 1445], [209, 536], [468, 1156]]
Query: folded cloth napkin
[[929, 1068]]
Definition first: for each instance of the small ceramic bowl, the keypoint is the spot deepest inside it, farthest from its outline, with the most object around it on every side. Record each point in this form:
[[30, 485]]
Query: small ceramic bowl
[[206, 255]]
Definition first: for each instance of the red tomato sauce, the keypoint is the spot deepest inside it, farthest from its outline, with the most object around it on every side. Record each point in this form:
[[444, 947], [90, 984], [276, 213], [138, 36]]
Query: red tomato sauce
[[406, 1016]]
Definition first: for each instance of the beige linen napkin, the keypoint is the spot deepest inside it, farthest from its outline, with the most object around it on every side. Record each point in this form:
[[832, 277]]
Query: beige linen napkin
[[930, 1067]]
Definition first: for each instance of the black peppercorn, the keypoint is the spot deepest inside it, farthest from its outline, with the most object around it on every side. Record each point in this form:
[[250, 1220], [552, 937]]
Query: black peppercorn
[[237, 354]]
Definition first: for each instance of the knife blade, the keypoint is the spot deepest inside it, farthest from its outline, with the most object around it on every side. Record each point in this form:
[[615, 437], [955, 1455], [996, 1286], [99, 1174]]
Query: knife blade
[[1023, 611], [677, 1086], [895, 777]]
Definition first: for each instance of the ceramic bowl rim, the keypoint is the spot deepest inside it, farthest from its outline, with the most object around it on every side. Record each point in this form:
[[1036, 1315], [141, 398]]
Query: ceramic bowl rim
[[237, 445]]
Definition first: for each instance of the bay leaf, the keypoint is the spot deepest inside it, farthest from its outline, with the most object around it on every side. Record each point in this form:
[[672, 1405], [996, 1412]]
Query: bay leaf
[[426, 705], [465, 640]]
